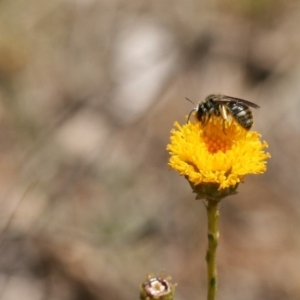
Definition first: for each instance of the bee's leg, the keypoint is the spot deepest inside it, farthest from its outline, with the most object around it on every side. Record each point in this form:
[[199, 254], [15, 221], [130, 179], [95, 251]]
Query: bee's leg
[[224, 126], [204, 120], [188, 119], [207, 118], [223, 113]]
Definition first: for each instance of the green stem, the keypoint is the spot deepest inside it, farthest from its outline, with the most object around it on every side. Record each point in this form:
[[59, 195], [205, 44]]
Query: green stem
[[211, 254]]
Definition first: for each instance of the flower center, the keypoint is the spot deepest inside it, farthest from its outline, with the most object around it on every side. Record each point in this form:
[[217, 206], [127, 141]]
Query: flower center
[[157, 287], [217, 143]]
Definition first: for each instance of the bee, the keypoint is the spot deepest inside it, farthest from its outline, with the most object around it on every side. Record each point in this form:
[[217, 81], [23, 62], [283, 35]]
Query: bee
[[221, 105]]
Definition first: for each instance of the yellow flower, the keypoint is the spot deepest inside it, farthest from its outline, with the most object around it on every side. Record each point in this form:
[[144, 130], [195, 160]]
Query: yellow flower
[[216, 155]]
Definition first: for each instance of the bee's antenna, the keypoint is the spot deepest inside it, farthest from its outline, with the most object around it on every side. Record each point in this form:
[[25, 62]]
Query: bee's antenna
[[189, 100]]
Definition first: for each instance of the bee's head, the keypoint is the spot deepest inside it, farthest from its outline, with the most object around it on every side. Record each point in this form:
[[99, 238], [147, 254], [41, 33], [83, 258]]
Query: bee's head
[[199, 111]]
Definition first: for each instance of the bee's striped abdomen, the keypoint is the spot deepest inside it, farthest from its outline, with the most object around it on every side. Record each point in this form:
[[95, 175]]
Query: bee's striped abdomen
[[241, 113]]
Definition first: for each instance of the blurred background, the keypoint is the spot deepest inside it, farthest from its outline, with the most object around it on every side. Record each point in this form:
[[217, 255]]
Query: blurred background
[[89, 91]]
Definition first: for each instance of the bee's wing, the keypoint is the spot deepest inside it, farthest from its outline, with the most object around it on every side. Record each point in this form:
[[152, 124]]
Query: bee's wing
[[238, 100]]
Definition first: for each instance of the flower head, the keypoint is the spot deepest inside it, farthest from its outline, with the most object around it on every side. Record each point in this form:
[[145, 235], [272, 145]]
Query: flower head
[[157, 288], [216, 156]]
